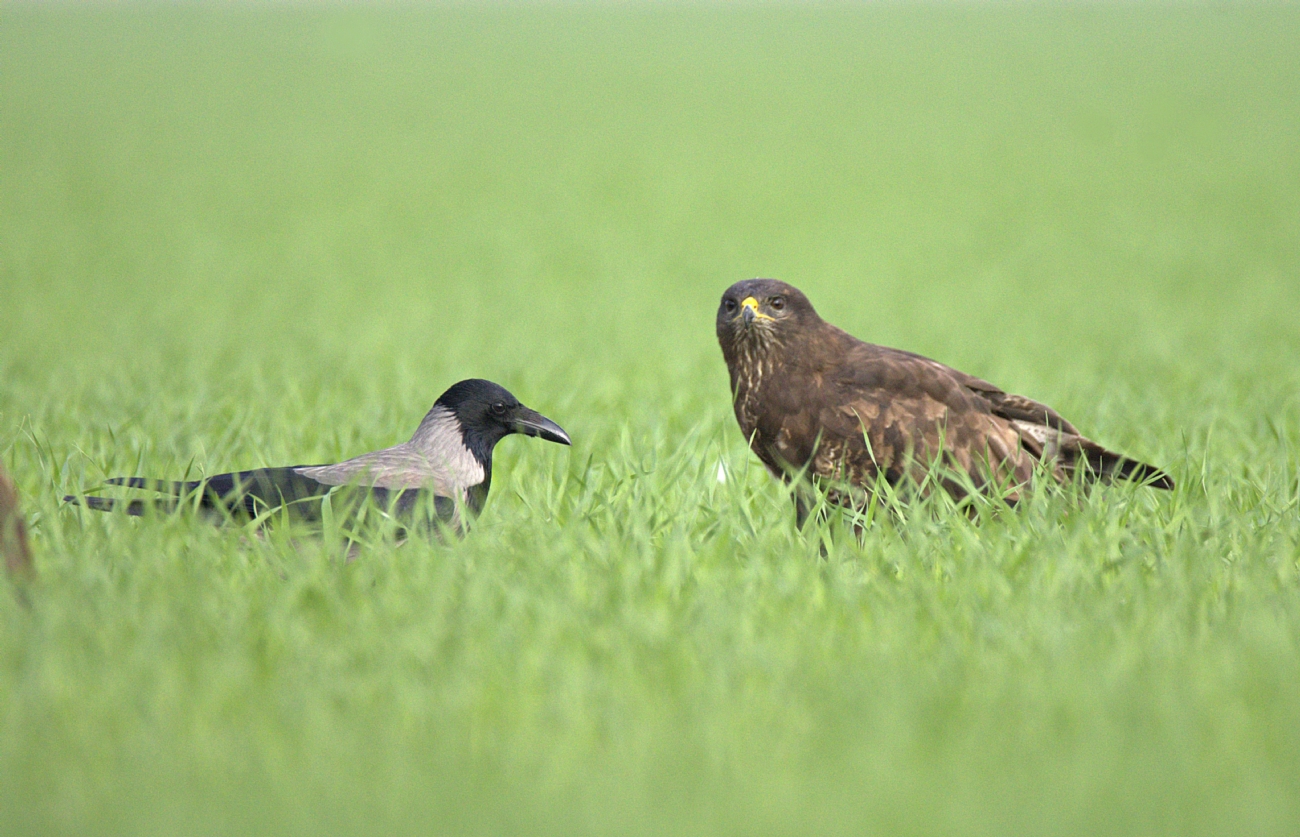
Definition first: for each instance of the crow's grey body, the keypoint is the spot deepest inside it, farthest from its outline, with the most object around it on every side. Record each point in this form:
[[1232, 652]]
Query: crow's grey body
[[444, 468], [435, 458]]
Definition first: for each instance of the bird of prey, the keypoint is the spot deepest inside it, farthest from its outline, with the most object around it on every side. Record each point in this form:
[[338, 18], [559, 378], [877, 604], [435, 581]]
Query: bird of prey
[[817, 403], [444, 468], [13, 532]]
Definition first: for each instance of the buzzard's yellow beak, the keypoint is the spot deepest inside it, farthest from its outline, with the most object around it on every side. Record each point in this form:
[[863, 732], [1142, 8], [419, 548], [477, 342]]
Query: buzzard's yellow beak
[[749, 310]]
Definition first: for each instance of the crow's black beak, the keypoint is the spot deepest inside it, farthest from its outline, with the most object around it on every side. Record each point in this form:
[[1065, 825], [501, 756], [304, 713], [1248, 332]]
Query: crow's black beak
[[532, 423]]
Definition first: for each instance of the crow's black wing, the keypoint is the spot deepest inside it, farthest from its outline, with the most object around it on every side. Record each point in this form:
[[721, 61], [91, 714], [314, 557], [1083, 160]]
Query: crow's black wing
[[239, 494], [248, 494]]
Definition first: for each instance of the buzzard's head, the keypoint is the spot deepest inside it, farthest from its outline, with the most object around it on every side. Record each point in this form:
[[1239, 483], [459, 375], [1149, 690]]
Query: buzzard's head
[[758, 312]]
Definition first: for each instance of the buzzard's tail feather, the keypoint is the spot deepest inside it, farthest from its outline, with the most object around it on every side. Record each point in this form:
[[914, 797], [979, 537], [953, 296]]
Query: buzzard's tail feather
[[1110, 466], [1131, 469], [1070, 453]]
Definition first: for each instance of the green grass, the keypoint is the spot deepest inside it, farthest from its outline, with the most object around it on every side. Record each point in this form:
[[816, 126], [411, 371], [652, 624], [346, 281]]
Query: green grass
[[235, 236]]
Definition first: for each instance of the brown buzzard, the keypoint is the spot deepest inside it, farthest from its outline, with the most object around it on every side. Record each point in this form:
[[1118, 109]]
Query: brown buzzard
[[13, 533], [814, 400]]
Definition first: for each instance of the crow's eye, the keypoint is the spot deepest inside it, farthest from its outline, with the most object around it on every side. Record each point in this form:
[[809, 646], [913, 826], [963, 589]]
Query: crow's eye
[[499, 408], [729, 304], [777, 303]]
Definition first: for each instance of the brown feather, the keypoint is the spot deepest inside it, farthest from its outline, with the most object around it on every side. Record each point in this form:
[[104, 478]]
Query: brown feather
[[815, 400], [13, 532]]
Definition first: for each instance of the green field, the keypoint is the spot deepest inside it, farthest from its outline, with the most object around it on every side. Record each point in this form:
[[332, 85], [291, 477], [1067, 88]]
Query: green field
[[234, 236]]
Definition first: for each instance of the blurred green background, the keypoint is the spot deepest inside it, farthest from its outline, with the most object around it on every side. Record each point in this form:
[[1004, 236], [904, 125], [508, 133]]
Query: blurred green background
[[242, 235]]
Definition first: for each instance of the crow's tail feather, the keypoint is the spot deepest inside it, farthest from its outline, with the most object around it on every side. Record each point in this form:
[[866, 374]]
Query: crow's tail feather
[[136, 508], [241, 493], [173, 487]]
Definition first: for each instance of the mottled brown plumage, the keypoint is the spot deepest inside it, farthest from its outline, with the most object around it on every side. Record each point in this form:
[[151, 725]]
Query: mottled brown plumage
[[812, 399], [13, 532]]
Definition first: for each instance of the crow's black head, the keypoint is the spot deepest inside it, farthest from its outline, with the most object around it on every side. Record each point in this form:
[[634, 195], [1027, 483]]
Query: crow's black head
[[757, 311], [487, 413]]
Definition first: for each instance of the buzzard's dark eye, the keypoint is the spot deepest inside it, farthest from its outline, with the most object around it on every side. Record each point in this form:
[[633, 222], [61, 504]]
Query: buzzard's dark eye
[[777, 303], [499, 409], [729, 304]]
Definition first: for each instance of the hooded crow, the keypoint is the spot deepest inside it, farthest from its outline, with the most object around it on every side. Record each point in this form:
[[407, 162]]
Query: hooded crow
[[448, 462], [814, 400]]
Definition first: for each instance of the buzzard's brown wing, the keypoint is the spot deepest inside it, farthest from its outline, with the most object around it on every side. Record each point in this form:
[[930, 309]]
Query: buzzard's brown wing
[[1009, 406], [1047, 435], [909, 403], [894, 413]]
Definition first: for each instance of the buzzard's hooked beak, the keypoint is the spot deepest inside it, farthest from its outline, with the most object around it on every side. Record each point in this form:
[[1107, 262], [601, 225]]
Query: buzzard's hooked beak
[[749, 310], [532, 423]]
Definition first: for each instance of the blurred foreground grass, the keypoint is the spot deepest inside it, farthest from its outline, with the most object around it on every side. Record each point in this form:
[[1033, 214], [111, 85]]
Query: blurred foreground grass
[[238, 236]]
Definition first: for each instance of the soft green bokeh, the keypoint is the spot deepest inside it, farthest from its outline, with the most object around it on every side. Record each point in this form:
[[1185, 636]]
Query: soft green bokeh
[[234, 236]]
